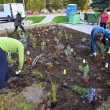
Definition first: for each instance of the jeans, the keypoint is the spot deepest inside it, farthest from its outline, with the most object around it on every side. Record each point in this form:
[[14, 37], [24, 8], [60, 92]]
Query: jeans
[[4, 75], [103, 25], [16, 27]]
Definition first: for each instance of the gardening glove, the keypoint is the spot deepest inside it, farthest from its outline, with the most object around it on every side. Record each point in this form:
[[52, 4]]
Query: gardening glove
[[108, 51], [95, 54], [18, 73]]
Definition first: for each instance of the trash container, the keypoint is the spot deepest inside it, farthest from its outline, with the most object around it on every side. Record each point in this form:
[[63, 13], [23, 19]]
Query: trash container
[[108, 17], [71, 8], [74, 18], [93, 17]]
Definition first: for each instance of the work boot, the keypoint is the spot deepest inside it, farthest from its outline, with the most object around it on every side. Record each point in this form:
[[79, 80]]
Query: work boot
[[4, 90], [11, 79]]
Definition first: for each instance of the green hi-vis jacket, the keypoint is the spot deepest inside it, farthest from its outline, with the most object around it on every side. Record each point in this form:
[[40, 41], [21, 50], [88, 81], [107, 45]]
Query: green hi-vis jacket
[[13, 46]]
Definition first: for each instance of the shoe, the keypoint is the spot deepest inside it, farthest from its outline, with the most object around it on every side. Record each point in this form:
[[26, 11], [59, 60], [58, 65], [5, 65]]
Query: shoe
[[11, 79], [91, 54], [4, 90]]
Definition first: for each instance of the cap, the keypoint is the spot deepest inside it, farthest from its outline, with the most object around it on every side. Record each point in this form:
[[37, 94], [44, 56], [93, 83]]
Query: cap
[[20, 13]]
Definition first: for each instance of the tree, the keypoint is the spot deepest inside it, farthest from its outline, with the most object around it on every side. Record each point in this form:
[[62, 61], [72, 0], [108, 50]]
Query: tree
[[99, 4], [56, 4], [36, 5], [31, 5], [82, 4]]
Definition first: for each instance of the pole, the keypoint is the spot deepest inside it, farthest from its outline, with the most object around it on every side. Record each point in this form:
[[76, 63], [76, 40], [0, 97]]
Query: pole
[[23, 3]]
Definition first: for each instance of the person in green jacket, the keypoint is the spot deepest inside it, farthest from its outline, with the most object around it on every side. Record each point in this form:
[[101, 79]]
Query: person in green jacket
[[10, 45], [18, 21]]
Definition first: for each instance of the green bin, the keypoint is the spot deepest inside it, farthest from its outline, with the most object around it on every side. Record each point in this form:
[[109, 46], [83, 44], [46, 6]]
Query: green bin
[[93, 17], [74, 18]]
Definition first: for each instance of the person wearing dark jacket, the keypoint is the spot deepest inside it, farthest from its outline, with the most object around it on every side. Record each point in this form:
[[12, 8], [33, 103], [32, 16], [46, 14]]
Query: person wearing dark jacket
[[18, 22], [99, 34]]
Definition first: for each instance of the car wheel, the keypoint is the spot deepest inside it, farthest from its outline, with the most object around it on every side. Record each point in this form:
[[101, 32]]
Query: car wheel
[[8, 18]]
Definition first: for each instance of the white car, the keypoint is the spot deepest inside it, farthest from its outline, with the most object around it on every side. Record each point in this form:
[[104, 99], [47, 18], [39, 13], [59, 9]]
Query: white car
[[10, 10]]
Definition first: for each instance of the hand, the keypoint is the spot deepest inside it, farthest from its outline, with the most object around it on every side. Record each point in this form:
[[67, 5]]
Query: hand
[[95, 54], [18, 72]]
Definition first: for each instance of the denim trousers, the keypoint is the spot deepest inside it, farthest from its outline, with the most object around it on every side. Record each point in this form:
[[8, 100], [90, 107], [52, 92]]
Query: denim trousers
[[4, 75]]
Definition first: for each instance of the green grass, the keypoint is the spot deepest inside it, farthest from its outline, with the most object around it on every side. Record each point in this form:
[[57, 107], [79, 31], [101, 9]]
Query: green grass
[[60, 19], [36, 19]]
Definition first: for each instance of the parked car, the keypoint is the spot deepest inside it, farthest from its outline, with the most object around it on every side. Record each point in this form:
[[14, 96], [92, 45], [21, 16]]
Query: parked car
[[10, 10]]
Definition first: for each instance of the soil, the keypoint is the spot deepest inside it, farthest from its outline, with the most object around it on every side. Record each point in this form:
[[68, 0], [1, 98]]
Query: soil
[[66, 98]]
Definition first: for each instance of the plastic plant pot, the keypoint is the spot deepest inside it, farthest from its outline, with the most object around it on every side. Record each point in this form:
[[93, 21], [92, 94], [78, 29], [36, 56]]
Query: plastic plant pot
[[70, 39], [59, 38], [69, 61], [85, 79], [48, 42], [48, 67], [29, 62], [58, 53], [53, 104], [56, 48], [97, 58]]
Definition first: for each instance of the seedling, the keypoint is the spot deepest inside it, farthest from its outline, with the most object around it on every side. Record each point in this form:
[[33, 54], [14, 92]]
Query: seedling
[[57, 52], [49, 64], [70, 37], [84, 69], [102, 47], [33, 40], [54, 94], [68, 52], [40, 74], [88, 93]]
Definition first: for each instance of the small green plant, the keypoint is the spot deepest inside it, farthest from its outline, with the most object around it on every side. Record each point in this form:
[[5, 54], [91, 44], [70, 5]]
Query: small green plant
[[54, 55], [54, 92], [88, 93], [43, 43], [33, 40], [40, 74], [49, 64], [84, 69], [68, 50], [66, 36], [57, 51], [70, 36], [102, 47], [56, 40], [29, 58], [60, 34], [80, 90]]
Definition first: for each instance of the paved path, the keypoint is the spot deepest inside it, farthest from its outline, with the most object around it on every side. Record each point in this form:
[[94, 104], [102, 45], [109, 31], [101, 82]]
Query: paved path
[[83, 27]]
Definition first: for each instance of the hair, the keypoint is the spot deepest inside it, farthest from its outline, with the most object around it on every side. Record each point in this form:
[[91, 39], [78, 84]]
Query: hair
[[99, 35]]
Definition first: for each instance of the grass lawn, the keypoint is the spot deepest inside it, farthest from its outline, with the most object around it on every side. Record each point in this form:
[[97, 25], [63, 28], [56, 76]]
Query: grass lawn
[[36, 19], [60, 19]]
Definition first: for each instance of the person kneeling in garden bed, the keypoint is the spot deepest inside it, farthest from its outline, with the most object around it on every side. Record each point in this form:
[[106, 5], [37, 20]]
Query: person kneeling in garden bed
[[99, 34], [13, 46]]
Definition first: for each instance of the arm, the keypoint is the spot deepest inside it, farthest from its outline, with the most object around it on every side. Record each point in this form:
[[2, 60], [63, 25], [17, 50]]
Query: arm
[[21, 56], [93, 42]]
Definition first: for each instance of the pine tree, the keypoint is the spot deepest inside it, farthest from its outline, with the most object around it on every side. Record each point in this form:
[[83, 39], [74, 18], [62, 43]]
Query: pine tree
[[99, 4]]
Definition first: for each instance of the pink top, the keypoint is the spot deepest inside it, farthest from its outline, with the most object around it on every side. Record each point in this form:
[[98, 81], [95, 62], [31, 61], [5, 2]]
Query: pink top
[[104, 18]]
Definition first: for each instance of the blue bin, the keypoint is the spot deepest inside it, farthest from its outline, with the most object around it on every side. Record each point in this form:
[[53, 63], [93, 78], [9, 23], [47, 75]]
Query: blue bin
[[71, 8]]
